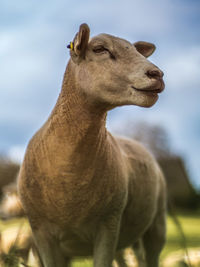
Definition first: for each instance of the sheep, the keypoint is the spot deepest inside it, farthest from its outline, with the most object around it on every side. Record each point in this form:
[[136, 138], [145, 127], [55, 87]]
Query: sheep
[[86, 192], [17, 247], [11, 206], [15, 243]]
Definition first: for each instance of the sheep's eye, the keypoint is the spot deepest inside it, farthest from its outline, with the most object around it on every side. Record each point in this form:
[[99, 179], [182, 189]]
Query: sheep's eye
[[99, 49]]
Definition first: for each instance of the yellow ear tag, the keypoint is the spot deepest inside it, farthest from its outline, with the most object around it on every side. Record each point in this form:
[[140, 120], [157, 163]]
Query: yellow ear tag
[[71, 46]]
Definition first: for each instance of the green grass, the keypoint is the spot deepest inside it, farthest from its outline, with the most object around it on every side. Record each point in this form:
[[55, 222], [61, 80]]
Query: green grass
[[191, 228], [4, 225], [189, 222]]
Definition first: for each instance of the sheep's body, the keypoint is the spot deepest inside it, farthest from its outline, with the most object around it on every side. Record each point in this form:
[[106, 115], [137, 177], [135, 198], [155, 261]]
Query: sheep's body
[[84, 191]]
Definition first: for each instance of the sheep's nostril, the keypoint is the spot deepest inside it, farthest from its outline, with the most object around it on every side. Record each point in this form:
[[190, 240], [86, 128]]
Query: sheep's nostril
[[157, 74]]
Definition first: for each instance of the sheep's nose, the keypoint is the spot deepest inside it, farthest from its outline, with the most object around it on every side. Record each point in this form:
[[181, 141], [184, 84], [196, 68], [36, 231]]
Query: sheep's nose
[[155, 73]]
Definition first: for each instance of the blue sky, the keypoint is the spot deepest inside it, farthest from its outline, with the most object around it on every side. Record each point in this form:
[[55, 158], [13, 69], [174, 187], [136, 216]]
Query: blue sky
[[33, 56]]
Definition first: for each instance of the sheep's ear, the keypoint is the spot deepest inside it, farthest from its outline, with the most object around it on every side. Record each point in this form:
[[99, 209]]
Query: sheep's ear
[[79, 45], [144, 48]]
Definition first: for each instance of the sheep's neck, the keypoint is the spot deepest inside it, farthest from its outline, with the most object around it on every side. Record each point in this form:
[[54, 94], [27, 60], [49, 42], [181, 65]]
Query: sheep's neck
[[75, 122]]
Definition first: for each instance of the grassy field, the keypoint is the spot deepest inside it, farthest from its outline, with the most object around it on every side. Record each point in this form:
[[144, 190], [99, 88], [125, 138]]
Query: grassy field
[[190, 223], [191, 228]]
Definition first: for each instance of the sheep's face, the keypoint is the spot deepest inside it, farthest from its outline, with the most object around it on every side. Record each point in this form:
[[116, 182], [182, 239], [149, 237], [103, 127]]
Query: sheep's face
[[115, 72]]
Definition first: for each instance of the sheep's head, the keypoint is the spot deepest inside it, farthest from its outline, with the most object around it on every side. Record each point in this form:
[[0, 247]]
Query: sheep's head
[[113, 71]]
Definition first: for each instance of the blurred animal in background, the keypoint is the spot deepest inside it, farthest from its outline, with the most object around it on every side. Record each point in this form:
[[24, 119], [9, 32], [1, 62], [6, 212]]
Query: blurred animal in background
[[84, 191], [16, 242], [15, 246], [11, 206]]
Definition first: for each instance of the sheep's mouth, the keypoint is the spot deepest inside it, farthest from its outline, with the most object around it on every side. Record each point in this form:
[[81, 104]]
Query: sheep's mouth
[[157, 91], [150, 91]]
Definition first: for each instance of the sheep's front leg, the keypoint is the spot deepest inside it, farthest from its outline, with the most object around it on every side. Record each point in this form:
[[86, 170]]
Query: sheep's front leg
[[49, 250], [106, 242]]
